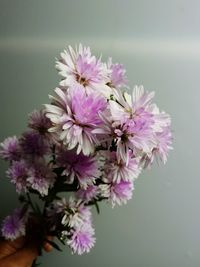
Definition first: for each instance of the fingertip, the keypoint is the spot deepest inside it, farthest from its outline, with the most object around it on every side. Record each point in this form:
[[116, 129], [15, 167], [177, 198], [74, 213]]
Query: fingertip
[[47, 247]]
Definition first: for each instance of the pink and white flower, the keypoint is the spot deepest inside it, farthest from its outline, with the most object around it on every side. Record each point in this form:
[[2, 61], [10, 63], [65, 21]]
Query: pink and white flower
[[80, 66], [81, 167], [117, 171], [75, 213], [39, 122], [117, 193], [134, 123], [82, 239], [41, 177], [87, 194], [10, 149], [33, 144], [116, 74], [75, 115], [14, 225], [18, 173], [161, 150]]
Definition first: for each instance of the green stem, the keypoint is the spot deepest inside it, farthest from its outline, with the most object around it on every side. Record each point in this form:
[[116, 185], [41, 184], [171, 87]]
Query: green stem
[[30, 201]]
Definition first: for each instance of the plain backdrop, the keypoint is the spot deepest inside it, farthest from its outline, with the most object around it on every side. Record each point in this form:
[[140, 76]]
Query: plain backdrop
[[159, 44]]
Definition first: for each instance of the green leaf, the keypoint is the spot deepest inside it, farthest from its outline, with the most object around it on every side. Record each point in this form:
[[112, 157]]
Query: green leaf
[[61, 240], [97, 207]]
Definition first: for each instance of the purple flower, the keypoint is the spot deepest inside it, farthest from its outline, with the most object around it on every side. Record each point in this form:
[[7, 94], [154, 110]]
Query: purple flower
[[10, 149], [18, 173], [133, 123], [78, 218], [33, 144], [82, 167], [135, 134], [75, 115], [117, 171], [14, 225], [41, 177], [87, 194], [117, 74], [117, 193], [82, 239], [161, 150], [39, 122], [164, 139], [127, 134]]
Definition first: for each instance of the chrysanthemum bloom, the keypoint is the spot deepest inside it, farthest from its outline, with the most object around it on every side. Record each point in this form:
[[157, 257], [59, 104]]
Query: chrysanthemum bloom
[[18, 173], [39, 122], [87, 194], [75, 115], [164, 142], [10, 149], [81, 67], [81, 167], [134, 134], [82, 239], [117, 171], [134, 122], [128, 134], [14, 225], [161, 150], [33, 144], [116, 75], [117, 193], [75, 213], [41, 177]]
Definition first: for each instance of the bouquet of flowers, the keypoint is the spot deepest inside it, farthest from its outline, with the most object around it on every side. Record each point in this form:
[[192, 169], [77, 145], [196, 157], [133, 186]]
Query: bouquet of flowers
[[88, 145]]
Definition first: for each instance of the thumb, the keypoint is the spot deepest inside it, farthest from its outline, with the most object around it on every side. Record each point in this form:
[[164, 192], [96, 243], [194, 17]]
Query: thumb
[[23, 258], [9, 247]]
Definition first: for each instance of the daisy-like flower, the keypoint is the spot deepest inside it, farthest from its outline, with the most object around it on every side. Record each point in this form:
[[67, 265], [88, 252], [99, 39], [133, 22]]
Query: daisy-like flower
[[41, 177], [76, 214], [18, 174], [75, 115], [161, 150], [10, 149], [117, 171], [127, 134], [73, 212], [81, 167], [33, 144], [139, 100], [79, 66], [135, 134], [39, 122], [14, 225], [133, 123], [82, 239], [87, 194], [116, 75], [117, 193], [164, 142]]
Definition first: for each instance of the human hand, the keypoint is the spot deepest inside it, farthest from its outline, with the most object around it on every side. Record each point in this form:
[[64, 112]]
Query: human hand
[[20, 253]]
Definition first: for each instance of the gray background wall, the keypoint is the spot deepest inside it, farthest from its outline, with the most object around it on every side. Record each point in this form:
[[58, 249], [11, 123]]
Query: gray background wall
[[159, 44]]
